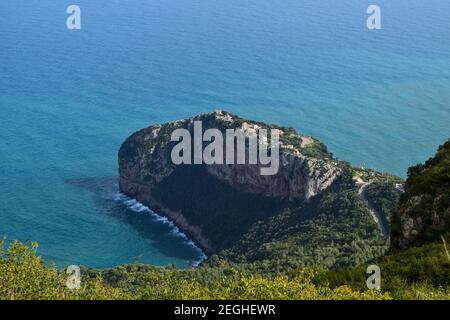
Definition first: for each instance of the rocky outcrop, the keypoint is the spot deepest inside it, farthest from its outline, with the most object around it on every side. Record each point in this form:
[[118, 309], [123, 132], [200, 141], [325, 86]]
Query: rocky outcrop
[[146, 168], [423, 213], [298, 178]]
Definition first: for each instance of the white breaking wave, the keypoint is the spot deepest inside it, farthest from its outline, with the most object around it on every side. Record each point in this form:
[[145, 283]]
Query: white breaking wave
[[138, 207]]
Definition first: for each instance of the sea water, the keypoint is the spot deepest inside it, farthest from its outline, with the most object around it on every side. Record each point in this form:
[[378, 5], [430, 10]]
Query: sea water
[[69, 98]]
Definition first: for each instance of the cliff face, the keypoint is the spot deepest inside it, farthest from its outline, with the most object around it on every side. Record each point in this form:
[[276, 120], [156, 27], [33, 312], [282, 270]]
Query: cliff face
[[423, 213], [299, 177], [147, 174]]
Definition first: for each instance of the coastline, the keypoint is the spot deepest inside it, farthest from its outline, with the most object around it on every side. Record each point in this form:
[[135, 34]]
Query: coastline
[[192, 235]]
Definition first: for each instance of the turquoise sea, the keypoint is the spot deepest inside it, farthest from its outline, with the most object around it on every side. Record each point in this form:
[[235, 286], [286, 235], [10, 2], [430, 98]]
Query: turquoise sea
[[69, 98]]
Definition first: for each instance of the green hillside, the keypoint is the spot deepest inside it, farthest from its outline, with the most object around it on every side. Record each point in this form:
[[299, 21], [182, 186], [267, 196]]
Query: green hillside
[[423, 213]]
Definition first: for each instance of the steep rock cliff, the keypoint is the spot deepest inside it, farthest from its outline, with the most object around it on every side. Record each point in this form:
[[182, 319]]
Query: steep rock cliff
[[145, 163]]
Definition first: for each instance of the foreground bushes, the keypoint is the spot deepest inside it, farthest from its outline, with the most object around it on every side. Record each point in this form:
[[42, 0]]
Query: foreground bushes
[[420, 273], [417, 273], [23, 275]]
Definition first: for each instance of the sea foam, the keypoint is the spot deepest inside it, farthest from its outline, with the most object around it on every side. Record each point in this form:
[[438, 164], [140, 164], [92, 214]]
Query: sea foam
[[138, 207]]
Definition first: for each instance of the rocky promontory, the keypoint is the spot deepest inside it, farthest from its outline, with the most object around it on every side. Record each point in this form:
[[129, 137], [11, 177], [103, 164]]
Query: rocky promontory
[[221, 206]]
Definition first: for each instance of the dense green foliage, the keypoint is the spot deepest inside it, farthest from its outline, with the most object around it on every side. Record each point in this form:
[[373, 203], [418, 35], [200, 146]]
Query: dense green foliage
[[425, 205], [316, 149], [418, 273], [23, 275]]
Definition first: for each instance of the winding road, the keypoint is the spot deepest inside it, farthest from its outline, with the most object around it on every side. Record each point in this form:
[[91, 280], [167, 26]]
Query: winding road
[[377, 216]]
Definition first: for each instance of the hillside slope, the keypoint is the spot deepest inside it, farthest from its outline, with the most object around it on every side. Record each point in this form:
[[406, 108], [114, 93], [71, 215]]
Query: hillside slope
[[418, 264], [423, 213]]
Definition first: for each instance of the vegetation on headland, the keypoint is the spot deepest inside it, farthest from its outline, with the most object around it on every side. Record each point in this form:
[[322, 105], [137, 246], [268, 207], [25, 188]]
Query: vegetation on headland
[[334, 229]]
